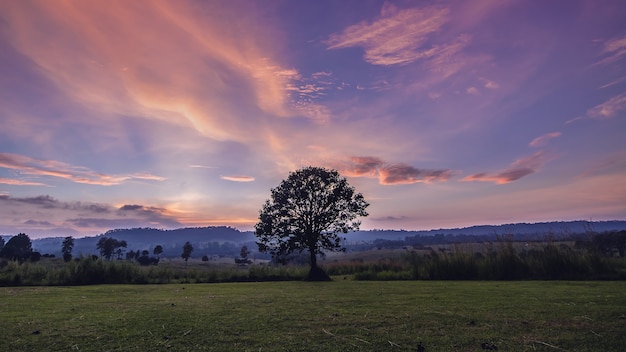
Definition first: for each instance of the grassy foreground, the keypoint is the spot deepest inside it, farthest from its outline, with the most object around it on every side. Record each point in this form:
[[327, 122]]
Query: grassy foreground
[[342, 315]]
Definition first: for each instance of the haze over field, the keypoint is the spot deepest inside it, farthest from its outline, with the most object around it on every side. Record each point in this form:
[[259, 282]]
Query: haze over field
[[172, 114]]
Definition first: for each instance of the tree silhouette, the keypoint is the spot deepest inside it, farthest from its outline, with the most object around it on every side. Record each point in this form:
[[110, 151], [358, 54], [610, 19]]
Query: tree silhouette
[[66, 248], [306, 212], [18, 247], [158, 250], [109, 246], [187, 249], [243, 256]]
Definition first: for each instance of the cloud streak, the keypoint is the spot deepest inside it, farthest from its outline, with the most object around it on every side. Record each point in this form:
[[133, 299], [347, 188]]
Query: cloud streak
[[397, 36], [519, 169], [44, 212], [543, 140], [614, 50], [38, 167], [14, 182], [609, 108], [390, 173], [238, 178]]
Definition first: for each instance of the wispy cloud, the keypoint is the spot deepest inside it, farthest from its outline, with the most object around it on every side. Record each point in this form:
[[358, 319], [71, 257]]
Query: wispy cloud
[[472, 90], [543, 140], [305, 93], [396, 37], [390, 173], [490, 84], [100, 66], [38, 223], [47, 215], [238, 178], [196, 166], [43, 201], [520, 168], [153, 215], [14, 182], [609, 108], [78, 174], [614, 50], [613, 82], [48, 202]]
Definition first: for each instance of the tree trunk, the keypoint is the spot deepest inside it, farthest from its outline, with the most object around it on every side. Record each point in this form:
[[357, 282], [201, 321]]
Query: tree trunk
[[313, 258], [316, 273]]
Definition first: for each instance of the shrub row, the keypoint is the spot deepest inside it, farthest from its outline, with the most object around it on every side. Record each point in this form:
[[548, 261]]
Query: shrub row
[[87, 271], [551, 262], [505, 262]]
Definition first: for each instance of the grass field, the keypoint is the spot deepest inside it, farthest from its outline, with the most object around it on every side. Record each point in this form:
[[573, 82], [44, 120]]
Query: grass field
[[342, 315]]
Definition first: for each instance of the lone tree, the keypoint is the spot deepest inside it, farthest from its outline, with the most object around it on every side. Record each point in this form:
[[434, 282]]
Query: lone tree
[[243, 256], [66, 248], [187, 249], [306, 212]]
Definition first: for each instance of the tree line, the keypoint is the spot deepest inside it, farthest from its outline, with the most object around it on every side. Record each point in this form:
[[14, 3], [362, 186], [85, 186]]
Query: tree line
[[20, 248]]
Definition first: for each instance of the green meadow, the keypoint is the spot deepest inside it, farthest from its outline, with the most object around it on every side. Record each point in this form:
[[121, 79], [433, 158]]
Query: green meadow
[[342, 315]]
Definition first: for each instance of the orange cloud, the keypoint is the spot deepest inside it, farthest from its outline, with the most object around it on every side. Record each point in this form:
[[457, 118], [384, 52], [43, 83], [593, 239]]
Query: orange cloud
[[171, 61], [360, 166], [390, 174], [238, 178], [520, 168], [405, 174], [196, 166], [78, 174], [12, 182]]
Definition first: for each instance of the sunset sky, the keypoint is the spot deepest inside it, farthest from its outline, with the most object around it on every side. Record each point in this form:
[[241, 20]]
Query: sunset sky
[[168, 114]]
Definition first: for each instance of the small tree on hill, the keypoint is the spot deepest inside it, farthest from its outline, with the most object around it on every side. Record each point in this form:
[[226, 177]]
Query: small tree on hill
[[187, 249], [306, 212], [66, 248]]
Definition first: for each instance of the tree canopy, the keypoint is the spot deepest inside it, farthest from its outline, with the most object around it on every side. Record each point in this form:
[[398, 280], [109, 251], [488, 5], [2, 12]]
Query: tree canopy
[[187, 249], [158, 250], [109, 246], [66, 248], [307, 211], [18, 247]]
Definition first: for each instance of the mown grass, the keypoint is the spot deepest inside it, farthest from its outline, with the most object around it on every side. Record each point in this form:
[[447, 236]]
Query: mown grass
[[342, 315]]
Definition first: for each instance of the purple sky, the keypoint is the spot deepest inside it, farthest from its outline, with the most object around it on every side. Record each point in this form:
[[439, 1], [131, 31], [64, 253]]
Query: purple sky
[[168, 114]]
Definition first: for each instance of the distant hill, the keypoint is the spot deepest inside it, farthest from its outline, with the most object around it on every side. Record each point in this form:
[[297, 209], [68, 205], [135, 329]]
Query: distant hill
[[215, 239], [540, 231], [222, 240]]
